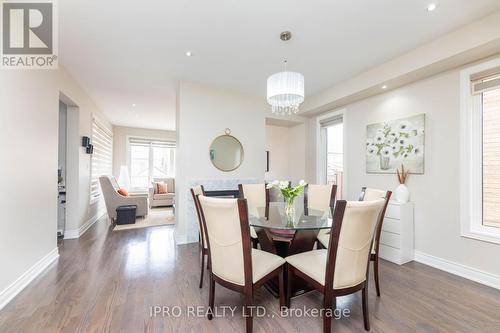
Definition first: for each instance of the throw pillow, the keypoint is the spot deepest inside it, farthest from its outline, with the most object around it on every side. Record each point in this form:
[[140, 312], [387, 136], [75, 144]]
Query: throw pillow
[[162, 188], [123, 192]]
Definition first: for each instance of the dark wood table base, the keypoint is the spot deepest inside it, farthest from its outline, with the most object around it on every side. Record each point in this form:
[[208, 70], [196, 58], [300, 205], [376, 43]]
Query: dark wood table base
[[285, 243]]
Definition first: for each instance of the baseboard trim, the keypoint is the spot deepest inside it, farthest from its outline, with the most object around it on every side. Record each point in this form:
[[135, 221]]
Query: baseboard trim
[[17, 286], [467, 272], [77, 233]]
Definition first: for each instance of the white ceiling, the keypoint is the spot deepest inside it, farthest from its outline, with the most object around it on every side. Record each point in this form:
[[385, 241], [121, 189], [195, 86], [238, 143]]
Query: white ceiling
[[127, 52]]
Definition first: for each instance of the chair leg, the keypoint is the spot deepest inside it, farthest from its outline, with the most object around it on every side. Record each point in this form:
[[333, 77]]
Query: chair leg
[[248, 311], [327, 311], [211, 296], [255, 242], [366, 318], [375, 274], [289, 283], [202, 268], [282, 287]]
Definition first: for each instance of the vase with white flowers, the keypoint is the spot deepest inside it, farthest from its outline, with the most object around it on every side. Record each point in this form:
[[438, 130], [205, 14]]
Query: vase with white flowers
[[289, 193]]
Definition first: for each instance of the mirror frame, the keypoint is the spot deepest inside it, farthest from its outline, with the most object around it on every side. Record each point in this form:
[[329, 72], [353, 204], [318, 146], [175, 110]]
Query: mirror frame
[[242, 152]]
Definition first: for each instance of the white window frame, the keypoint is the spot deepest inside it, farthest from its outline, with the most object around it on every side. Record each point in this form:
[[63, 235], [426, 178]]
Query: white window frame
[[129, 156], [321, 148], [471, 156]]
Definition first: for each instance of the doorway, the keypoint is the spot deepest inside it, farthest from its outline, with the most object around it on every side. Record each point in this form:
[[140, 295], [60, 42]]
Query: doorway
[[62, 169]]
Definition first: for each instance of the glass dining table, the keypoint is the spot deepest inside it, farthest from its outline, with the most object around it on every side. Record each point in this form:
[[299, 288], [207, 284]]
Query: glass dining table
[[288, 233]]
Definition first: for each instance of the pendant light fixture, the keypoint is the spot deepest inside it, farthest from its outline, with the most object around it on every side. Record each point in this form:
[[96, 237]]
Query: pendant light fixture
[[285, 90]]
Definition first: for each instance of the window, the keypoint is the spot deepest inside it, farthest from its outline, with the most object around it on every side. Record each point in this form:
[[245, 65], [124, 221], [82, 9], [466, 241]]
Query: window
[[150, 159], [331, 157], [102, 157], [480, 160]]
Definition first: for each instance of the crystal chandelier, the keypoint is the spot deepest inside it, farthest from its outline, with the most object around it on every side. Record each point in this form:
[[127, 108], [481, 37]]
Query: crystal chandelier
[[285, 90]]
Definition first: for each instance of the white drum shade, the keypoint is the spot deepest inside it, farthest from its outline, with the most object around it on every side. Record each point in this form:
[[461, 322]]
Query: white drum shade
[[285, 92]]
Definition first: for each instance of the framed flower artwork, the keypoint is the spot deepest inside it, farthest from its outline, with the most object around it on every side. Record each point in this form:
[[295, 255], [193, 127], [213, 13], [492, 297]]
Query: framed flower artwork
[[392, 143]]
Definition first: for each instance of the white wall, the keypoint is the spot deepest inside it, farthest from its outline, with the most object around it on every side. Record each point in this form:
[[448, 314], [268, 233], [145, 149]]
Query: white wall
[[29, 104], [80, 212], [286, 146], [277, 145], [202, 114], [436, 193], [120, 136]]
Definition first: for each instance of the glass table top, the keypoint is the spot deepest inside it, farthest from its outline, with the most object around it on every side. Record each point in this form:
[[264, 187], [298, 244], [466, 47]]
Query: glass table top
[[314, 220]]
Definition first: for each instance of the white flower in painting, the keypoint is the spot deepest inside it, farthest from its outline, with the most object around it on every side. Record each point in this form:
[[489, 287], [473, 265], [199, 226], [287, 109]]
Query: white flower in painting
[[393, 134], [418, 151], [379, 138], [405, 155], [386, 151], [302, 182], [371, 151], [283, 184], [402, 141], [405, 126], [369, 142], [395, 147]]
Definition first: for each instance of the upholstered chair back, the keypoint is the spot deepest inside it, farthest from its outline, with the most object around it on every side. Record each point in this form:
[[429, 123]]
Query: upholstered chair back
[[355, 242], [369, 194], [195, 191], [222, 221], [319, 197], [169, 181], [255, 194]]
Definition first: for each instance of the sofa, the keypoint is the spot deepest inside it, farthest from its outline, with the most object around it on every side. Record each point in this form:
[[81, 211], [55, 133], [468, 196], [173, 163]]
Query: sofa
[[164, 199], [113, 200]]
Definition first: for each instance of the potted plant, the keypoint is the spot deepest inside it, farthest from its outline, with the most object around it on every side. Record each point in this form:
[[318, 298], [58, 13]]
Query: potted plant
[[289, 193]]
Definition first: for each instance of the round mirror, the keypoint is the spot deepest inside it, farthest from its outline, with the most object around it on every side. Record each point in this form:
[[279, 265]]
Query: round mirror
[[226, 153]]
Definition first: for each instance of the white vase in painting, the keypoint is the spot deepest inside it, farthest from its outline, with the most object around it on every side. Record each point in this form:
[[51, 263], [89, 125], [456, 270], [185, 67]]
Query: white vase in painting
[[402, 194]]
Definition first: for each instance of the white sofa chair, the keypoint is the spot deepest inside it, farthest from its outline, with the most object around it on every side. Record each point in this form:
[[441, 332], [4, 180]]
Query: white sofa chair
[[164, 199], [113, 199]]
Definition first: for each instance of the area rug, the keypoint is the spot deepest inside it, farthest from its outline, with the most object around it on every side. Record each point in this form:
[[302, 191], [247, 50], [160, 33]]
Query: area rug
[[156, 217]]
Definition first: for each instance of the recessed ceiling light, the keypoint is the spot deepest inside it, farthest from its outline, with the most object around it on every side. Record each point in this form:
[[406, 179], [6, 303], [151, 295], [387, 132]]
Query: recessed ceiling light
[[189, 53], [384, 87], [431, 7], [133, 105]]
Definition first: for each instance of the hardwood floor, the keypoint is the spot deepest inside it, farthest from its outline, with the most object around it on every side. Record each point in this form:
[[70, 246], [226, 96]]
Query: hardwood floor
[[108, 281]]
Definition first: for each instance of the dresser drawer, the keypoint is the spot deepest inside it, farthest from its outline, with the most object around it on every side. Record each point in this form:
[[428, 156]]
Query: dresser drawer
[[392, 225], [390, 239], [393, 211]]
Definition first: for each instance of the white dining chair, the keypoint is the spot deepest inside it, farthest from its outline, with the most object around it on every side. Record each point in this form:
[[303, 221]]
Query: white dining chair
[[368, 194], [234, 264], [257, 196], [342, 268], [202, 239], [319, 198]]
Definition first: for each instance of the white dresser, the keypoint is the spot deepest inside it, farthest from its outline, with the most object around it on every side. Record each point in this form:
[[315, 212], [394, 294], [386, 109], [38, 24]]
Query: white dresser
[[397, 239]]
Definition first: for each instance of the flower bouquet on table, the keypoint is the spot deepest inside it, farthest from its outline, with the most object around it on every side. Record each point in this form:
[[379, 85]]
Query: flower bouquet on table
[[289, 193]]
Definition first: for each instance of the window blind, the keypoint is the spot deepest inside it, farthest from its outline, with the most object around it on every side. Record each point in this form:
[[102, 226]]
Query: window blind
[[154, 143], [331, 121], [102, 157], [485, 81], [491, 158]]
